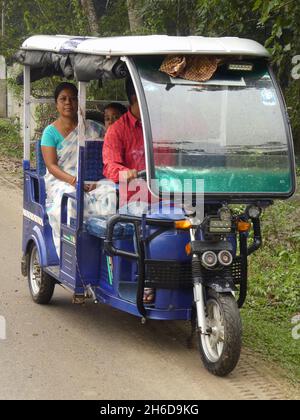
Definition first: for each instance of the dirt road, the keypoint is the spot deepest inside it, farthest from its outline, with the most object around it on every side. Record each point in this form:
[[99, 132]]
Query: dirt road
[[63, 351]]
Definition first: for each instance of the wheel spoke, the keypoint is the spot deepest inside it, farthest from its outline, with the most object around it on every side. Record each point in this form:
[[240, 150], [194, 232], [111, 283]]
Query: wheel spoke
[[219, 349], [214, 343], [41, 285], [221, 334], [35, 273], [210, 311], [217, 314]]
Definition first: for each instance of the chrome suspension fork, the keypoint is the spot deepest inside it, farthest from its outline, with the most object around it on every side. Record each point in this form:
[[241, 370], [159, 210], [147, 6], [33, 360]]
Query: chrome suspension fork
[[199, 295]]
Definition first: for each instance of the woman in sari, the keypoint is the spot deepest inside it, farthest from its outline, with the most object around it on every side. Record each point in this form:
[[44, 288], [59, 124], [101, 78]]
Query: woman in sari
[[59, 147]]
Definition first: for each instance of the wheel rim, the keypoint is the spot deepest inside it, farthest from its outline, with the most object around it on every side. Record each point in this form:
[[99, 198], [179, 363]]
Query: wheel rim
[[35, 274], [213, 344]]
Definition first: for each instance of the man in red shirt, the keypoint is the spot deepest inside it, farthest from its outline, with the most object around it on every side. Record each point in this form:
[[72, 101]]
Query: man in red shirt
[[123, 149]]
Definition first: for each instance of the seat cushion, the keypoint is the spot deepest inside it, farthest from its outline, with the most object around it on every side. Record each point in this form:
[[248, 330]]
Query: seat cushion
[[92, 160], [93, 163], [97, 226]]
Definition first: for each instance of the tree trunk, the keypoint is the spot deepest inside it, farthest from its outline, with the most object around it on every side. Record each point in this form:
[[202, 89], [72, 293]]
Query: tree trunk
[[89, 9], [3, 19], [186, 17], [134, 15]]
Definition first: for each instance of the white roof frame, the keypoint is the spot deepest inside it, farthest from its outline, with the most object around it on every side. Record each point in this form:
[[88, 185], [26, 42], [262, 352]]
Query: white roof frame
[[146, 45]]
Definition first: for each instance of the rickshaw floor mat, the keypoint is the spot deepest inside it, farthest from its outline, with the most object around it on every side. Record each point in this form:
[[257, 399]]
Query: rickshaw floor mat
[[97, 226]]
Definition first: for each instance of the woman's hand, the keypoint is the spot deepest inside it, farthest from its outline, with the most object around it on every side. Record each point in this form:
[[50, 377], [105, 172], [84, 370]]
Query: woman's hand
[[89, 187], [73, 181]]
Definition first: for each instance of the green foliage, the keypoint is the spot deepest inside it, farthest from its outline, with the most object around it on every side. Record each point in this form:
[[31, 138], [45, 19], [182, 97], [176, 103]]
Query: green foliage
[[114, 21], [275, 270], [108, 91], [28, 17], [274, 291], [10, 139], [174, 17], [271, 338], [227, 18], [284, 43]]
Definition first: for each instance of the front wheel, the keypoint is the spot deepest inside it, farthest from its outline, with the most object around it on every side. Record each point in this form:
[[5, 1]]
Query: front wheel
[[220, 349], [41, 285]]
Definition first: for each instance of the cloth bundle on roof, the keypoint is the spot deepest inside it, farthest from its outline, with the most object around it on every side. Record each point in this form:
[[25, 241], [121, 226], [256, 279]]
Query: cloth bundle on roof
[[82, 67], [44, 64], [197, 68], [93, 67]]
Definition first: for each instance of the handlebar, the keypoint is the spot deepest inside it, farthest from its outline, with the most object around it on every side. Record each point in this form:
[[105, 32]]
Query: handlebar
[[108, 243], [136, 221], [139, 256]]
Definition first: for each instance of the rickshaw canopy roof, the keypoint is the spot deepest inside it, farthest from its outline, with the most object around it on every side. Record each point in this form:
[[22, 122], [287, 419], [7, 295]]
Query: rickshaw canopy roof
[[145, 45]]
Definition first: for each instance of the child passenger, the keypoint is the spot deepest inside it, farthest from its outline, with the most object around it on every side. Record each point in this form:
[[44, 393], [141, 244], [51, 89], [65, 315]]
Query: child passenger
[[112, 112]]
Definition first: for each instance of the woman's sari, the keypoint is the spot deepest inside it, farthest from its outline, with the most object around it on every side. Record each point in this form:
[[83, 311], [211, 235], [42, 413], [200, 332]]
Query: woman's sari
[[99, 202]]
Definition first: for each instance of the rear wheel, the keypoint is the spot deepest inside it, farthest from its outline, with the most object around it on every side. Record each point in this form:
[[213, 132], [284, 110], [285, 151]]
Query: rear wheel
[[41, 285], [220, 349]]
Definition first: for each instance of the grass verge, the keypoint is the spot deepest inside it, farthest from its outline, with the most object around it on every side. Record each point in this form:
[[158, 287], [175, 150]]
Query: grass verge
[[10, 139], [274, 290]]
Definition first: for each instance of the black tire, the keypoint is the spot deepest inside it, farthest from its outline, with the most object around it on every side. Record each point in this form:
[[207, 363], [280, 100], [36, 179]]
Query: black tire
[[224, 360], [41, 285]]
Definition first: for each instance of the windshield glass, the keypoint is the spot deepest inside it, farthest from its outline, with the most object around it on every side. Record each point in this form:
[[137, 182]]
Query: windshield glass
[[228, 131]]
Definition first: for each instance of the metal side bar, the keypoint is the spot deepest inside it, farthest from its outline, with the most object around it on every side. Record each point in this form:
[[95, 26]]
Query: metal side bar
[[27, 125]]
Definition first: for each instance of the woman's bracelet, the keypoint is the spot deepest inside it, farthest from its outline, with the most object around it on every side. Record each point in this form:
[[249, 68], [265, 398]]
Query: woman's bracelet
[[73, 182]]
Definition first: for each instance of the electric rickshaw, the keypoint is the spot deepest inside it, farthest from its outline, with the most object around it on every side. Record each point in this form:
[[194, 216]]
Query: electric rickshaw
[[223, 143]]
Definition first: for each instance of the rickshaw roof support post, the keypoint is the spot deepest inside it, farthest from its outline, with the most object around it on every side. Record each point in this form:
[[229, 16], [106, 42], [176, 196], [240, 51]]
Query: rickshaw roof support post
[[81, 111], [26, 126], [146, 124], [81, 142]]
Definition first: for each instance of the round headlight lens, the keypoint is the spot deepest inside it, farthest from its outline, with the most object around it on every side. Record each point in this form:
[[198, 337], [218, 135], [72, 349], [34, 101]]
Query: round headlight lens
[[254, 212], [225, 214], [209, 259], [225, 258]]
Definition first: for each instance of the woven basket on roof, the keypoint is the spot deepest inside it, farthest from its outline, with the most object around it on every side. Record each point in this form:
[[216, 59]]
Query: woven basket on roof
[[173, 65], [195, 68]]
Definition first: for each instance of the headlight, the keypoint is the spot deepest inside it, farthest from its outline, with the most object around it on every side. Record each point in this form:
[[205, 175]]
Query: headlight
[[225, 214], [240, 66], [225, 258], [209, 259], [253, 211]]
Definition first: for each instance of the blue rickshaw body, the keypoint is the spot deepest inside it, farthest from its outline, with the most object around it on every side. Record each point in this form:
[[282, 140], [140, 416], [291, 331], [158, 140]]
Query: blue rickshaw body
[[84, 262], [228, 130]]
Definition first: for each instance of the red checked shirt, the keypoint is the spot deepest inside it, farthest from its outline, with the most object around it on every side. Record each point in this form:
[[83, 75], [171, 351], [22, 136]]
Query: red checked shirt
[[123, 147]]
